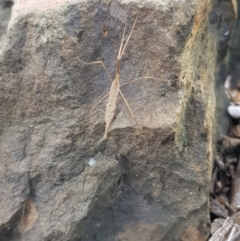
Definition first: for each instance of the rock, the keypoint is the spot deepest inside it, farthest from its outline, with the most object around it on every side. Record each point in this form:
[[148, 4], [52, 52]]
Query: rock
[[219, 209], [148, 183], [235, 131]]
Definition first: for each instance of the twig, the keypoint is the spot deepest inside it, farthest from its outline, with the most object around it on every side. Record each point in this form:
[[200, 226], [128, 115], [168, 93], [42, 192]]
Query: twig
[[221, 233]]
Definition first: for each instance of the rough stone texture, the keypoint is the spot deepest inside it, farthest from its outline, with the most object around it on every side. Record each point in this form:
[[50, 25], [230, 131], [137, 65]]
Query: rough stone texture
[[148, 184]]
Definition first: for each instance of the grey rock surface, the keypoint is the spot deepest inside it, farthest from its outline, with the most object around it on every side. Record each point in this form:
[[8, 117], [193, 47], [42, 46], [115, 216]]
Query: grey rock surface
[[148, 183]]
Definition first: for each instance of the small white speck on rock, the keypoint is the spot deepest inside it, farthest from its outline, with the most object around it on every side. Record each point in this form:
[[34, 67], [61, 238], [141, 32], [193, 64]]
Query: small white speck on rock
[[226, 33], [92, 162]]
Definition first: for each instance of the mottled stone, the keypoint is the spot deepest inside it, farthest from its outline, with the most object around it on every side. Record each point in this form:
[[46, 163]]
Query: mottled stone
[[149, 182]]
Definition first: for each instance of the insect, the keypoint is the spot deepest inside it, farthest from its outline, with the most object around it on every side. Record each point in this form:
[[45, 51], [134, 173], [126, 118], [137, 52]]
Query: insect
[[115, 89]]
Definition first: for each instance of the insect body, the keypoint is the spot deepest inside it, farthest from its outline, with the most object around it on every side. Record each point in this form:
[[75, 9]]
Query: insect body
[[115, 88]]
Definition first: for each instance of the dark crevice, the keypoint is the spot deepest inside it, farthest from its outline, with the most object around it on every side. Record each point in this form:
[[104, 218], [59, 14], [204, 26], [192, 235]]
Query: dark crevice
[[225, 188], [9, 231], [5, 17], [7, 4]]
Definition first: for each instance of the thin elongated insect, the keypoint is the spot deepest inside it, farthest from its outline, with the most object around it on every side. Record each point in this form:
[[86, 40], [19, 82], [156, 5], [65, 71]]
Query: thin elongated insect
[[115, 86]]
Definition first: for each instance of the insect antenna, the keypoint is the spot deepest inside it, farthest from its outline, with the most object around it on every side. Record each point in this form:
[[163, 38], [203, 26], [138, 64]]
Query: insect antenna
[[129, 36]]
